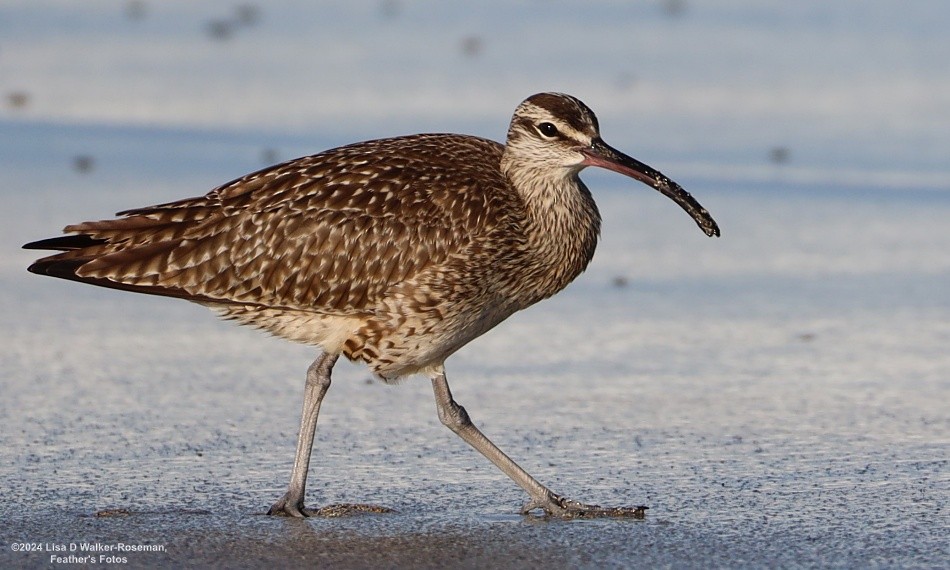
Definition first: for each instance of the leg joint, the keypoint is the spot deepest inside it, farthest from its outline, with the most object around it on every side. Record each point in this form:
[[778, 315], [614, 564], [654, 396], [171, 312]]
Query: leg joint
[[454, 416], [319, 372]]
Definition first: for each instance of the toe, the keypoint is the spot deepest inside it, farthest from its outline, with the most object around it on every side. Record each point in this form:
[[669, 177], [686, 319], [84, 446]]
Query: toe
[[286, 508]]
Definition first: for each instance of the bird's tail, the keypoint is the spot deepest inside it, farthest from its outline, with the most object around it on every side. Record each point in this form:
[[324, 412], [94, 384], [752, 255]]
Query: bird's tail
[[117, 253]]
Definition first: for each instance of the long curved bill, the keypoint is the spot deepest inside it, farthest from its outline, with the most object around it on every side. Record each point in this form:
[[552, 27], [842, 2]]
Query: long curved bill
[[603, 155]]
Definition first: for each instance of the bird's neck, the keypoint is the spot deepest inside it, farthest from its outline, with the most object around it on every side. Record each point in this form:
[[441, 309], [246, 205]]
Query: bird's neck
[[562, 227]]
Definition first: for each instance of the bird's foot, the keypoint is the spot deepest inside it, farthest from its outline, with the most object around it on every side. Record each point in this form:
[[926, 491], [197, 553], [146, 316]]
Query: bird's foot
[[287, 506], [561, 507]]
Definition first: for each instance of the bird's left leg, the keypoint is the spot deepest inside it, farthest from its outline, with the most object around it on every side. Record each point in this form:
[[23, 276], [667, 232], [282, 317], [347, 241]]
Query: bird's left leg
[[456, 418], [318, 381]]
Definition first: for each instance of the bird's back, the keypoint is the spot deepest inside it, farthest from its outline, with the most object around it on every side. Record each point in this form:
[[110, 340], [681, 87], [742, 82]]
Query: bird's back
[[327, 232], [387, 231]]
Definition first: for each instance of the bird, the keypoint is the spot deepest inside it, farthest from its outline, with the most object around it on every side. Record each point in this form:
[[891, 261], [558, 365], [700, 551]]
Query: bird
[[394, 253]]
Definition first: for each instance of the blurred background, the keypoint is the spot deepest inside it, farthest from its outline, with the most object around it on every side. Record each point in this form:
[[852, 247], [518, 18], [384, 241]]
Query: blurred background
[[850, 93]]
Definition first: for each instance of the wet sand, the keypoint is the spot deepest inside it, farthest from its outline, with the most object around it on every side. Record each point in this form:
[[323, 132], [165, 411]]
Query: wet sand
[[778, 399]]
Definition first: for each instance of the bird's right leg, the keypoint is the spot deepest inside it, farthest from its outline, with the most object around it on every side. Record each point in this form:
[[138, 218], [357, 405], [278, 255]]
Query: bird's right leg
[[318, 381], [456, 418]]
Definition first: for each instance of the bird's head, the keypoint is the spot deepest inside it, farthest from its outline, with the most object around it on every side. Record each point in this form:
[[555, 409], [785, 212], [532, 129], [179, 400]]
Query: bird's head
[[558, 134]]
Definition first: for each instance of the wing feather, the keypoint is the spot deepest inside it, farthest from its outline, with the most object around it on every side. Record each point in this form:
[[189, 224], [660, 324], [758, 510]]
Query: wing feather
[[329, 233]]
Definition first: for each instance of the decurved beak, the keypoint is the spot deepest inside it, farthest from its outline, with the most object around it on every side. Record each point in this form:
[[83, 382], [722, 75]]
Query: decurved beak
[[603, 155]]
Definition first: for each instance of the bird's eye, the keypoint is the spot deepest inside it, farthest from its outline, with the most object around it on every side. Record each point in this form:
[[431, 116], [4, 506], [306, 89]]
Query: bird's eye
[[547, 129]]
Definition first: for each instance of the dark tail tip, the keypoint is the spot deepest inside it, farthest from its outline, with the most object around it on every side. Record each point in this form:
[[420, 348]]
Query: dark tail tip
[[62, 268], [65, 243]]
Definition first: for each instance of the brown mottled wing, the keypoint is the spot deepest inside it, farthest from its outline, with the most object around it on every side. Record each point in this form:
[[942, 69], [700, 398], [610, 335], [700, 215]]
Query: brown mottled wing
[[330, 232]]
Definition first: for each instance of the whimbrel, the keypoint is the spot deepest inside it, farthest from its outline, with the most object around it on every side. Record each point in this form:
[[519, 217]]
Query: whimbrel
[[394, 252]]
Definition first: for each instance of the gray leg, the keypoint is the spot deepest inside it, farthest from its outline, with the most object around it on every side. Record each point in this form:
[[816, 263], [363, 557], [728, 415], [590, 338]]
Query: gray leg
[[318, 381], [456, 418]]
